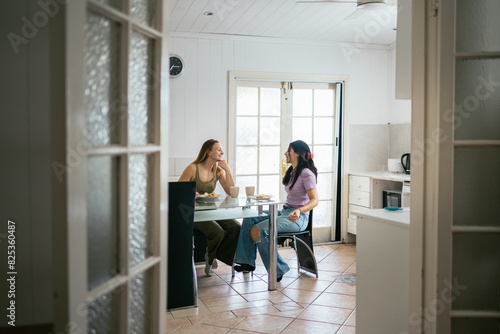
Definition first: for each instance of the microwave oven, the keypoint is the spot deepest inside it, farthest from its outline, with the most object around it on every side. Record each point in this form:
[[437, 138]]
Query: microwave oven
[[391, 198]]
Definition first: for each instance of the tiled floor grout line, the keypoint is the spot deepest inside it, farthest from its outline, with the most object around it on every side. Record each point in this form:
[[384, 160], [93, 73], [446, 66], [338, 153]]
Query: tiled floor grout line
[[237, 287]]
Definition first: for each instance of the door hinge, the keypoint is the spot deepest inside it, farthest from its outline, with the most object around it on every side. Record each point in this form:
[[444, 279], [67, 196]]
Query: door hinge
[[436, 8], [336, 141], [291, 85], [283, 86]]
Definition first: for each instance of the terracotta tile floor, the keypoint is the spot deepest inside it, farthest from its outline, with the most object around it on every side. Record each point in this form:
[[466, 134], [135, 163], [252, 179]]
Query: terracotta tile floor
[[302, 303]]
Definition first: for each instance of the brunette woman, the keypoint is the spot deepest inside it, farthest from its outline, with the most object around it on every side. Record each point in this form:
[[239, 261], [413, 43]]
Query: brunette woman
[[302, 196]]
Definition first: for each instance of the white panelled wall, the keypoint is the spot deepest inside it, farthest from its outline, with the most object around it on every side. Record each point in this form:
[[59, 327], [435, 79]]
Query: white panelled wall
[[199, 107]]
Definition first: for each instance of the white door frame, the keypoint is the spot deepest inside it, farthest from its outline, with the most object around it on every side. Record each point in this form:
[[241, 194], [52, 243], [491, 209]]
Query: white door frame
[[297, 77]]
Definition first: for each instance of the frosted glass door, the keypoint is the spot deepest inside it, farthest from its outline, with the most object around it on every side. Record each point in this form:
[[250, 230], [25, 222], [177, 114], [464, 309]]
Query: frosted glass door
[[122, 165], [476, 159]]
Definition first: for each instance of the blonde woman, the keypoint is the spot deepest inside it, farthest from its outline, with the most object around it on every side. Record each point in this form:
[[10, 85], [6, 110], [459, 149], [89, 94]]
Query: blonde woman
[[222, 235]]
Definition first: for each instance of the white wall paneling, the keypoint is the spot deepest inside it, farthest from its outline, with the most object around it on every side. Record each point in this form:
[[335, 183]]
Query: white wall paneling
[[199, 96]]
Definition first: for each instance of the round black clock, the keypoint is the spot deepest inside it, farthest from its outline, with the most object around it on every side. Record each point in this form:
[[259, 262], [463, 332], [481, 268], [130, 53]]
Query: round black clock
[[176, 66]]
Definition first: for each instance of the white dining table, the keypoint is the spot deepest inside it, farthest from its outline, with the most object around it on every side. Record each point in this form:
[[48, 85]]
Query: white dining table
[[207, 209]]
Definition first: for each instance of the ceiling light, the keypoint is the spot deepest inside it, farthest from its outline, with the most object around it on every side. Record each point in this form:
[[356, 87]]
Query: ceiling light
[[208, 13]]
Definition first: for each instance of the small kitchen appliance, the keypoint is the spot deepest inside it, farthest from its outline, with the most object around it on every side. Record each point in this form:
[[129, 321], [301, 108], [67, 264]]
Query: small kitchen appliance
[[406, 163], [394, 166], [391, 198]]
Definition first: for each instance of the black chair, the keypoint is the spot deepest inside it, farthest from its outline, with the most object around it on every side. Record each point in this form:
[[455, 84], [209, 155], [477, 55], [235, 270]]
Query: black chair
[[200, 246], [182, 287], [303, 245]]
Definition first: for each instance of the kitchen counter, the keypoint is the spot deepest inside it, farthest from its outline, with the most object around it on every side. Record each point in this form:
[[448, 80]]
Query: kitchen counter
[[384, 176], [366, 190], [399, 217], [382, 278]]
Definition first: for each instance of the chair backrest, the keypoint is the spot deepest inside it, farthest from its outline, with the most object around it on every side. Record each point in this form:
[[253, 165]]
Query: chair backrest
[[182, 285], [310, 223], [181, 198]]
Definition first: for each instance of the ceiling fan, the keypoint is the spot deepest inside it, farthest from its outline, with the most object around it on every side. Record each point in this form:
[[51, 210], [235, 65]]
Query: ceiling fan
[[362, 5]]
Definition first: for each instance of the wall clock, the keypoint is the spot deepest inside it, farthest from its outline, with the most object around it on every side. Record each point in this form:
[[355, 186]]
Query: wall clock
[[176, 66]]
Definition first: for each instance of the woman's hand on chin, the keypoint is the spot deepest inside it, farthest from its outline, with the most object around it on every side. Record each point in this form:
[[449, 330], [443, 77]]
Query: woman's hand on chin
[[223, 164]]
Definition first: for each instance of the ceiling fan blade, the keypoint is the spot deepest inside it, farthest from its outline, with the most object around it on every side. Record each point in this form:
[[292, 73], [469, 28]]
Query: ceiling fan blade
[[355, 15], [325, 1]]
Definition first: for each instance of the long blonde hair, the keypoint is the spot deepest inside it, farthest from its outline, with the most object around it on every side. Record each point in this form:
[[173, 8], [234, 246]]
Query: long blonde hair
[[203, 155]]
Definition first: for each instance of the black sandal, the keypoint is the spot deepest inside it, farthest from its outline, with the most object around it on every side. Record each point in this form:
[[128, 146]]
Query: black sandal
[[245, 268]]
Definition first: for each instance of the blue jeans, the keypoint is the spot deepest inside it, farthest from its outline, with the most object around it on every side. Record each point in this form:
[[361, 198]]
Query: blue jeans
[[246, 251]]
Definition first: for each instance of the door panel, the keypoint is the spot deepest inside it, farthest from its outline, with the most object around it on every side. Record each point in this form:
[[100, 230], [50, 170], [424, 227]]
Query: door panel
[[271, 114], [117, 286]]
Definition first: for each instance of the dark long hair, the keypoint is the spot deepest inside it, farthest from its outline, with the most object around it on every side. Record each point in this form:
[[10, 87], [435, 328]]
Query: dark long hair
[[304, 152]]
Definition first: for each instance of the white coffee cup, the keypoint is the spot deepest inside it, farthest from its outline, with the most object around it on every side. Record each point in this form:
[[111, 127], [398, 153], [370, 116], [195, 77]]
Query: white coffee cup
[[394, 165], [234, 191], [250, 190]]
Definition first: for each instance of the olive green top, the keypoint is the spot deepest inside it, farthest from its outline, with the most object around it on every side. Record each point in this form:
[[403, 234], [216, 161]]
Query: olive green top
[[205, 187]]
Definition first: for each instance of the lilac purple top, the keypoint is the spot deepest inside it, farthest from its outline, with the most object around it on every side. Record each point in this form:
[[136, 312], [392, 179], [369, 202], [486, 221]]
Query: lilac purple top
[[297, 196]]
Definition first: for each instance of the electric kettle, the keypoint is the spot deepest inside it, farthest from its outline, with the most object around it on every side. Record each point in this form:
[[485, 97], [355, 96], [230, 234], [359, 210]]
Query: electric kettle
[[406, 164]]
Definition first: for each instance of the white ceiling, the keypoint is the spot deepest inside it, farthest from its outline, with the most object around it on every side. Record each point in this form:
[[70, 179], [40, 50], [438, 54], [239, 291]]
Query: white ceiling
[[285, 19]]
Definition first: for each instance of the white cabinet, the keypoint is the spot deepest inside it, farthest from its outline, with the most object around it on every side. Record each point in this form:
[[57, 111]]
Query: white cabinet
[[359, 197], [383, 271], [403, 51], [365, 191]]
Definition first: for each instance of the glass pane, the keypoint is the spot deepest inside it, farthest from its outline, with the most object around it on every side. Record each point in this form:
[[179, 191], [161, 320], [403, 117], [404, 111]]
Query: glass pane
[[269, 185], [324, 185], [323, 102], [476, 194], [246, 160], [243, 181], [323, 130], [140, 206], [476, 271], [247, 101], [269, 160], [323, 158], [302, 102], [302, 129], [246, 131], [141, 89], [103, 313], [143, 11], [323, 214], [477, 99], [102, 216], [270, 130], [101, 79], [270, 101], [140, 304], [479, 325], [478, 25]]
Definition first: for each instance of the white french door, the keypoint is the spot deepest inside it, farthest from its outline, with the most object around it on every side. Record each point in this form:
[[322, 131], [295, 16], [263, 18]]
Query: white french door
[[268, 115], [114, 272]]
